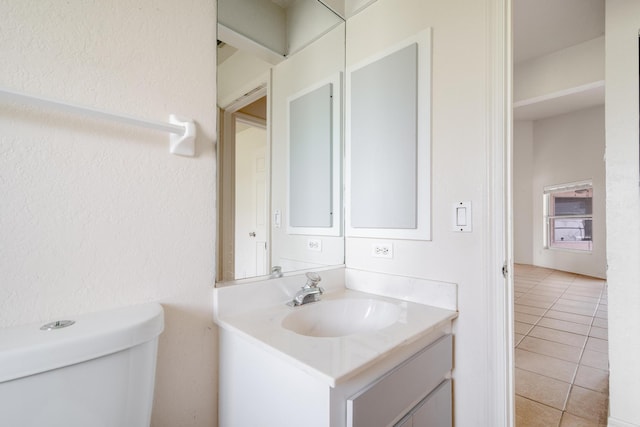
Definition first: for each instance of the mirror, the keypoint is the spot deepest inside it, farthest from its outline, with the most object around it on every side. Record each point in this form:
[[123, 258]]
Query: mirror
[[280, 139]]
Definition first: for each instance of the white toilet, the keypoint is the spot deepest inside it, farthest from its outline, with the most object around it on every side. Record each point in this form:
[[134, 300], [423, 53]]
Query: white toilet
[[97, 372]]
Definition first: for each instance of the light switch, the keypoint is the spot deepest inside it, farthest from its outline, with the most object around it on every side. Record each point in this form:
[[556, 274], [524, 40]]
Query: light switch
[[462, 217], [277, 218]]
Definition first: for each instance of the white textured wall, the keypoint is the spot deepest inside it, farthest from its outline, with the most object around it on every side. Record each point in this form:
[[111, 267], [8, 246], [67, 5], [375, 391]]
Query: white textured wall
[[460, 171], [570, 148], [523, 214], [623, 210], [96, 214]]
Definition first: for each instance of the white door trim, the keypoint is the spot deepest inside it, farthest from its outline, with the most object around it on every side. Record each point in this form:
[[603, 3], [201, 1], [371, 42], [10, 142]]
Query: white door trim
[[499, 239]]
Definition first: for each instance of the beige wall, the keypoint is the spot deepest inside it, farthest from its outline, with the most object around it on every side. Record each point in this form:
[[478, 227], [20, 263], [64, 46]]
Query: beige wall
[[460, 172], [523, 214], [570, 148], [623, 210], [96, 214], [559, 71]]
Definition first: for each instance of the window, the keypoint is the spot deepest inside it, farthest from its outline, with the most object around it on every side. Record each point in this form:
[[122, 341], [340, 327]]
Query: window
[[568, 216]]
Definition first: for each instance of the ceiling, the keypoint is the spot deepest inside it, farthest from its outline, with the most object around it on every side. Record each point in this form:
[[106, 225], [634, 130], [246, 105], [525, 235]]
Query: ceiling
[[544, 26], [541, 27]]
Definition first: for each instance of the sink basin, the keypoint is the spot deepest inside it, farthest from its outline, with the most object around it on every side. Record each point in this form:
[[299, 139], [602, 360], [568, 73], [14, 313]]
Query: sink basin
[[341, 317]]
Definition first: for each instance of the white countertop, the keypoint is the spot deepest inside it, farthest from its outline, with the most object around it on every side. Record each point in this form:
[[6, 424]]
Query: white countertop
[[335, 359]]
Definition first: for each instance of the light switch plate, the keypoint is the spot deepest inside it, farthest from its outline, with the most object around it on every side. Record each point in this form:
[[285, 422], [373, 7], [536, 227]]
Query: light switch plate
[[462, 217]]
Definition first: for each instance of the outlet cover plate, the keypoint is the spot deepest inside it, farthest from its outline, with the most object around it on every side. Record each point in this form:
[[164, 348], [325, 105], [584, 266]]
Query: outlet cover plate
[[314, 245], [382, 250]]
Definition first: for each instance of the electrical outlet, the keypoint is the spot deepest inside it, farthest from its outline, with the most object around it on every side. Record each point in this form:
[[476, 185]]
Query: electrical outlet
[[314, 245], [382, 250]]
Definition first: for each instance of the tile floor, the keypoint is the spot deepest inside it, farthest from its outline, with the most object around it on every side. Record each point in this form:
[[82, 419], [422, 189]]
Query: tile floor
[[561, 358]]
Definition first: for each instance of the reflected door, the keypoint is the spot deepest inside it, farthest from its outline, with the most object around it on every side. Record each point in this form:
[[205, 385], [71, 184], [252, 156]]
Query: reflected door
[[251, 203]]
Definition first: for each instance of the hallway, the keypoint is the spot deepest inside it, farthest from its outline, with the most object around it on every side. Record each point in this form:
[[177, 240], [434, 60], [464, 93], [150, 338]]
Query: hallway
[[561, 354]]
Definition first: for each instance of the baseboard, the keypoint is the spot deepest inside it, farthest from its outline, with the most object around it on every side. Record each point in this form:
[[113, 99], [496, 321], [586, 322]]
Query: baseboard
[[613, 422]]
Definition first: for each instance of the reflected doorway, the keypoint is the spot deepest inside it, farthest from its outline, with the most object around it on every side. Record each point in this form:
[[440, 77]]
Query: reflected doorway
[[244, 188]]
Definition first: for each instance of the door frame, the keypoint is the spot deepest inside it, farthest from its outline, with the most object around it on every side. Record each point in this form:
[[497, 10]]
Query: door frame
[[499, 239], [226, 170]]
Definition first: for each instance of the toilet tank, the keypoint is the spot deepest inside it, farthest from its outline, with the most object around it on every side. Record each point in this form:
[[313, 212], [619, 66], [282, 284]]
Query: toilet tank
[[97, 372]]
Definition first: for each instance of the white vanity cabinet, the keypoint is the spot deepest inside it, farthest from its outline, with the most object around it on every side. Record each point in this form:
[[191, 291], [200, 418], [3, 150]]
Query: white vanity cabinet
[[329, 370], [259, 388], [398, 392]]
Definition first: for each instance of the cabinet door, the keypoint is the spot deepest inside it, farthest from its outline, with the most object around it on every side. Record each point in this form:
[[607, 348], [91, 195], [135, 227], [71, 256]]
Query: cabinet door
[[436, 408]]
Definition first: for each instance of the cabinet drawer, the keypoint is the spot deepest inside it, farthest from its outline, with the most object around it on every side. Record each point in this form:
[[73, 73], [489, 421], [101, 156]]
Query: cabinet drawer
[[436, 409], [393, 395]]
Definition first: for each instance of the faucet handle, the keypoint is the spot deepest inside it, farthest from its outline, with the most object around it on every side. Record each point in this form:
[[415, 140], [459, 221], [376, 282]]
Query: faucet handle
[[312, 279]]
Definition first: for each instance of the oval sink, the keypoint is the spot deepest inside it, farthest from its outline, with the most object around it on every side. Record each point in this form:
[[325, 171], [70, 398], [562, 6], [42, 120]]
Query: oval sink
[[340, 317]]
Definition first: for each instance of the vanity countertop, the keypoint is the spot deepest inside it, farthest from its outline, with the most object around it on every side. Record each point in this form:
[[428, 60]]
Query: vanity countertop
[[336, 359]]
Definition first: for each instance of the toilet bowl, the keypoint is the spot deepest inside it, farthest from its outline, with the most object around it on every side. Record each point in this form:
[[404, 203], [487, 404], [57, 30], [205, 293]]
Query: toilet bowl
[[98, 371]]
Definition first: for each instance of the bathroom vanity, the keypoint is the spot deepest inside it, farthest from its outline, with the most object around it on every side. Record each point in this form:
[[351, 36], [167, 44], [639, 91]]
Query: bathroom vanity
[[353, 359]]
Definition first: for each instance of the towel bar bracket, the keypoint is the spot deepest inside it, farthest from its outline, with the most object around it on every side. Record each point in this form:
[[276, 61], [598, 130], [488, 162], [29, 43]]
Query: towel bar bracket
[[185, 144]]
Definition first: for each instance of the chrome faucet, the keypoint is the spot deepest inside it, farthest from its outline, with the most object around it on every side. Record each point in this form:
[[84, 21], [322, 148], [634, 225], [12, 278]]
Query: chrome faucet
[[310, 292], [276, 271]]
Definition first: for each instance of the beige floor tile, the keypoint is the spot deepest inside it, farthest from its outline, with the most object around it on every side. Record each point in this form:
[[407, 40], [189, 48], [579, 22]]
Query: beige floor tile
[[555, 335], [545, 365], [542, 298], [588, 404], [602, 313], [521, 328], [570, 420], [565, 284], [592, 378], [579, 304], [588, 284], [550, 348], [598, 332], [547, 291], [600, 323], [542, 389], [584, 292], [526, 300], [517, 338], [519, 308], [595, 359], [573, 310], [562, 325], [534, 414], [580, 298], [597, 344], [569, 317], [531, 319]]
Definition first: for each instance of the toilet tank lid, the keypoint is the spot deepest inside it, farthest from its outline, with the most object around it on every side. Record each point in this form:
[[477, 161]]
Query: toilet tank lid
[[28, 350]]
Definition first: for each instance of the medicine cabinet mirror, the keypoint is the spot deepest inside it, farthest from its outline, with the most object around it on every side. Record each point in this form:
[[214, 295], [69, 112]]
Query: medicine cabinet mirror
[[280, 139]]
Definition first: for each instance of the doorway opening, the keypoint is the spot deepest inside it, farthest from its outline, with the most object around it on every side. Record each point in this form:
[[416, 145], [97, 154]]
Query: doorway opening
[[244, 171], [560, 290]]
